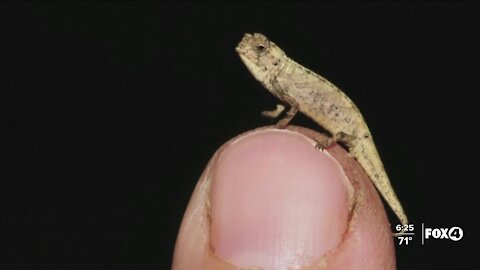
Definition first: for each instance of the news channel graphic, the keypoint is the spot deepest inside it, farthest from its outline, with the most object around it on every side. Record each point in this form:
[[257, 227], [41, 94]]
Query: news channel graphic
[[406, 234]]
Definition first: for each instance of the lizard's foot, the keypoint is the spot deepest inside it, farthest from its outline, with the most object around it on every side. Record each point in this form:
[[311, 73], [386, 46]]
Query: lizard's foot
[[274, 113], [283, 123], [325, 143]]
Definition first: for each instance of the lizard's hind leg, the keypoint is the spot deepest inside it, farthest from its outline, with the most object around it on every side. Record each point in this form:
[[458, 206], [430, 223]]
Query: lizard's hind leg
[[341, 137], [324, 143], [347, 139]]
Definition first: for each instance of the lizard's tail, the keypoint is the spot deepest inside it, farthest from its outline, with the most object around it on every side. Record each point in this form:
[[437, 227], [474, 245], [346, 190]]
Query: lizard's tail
[[367, 155]]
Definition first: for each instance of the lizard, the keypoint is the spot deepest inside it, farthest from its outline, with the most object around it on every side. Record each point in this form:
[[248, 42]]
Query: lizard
[[313, 95]]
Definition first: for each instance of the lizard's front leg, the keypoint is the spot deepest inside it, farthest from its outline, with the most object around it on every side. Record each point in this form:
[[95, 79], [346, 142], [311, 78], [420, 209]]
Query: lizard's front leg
[[291, 112], [282, 123], [274, 113]]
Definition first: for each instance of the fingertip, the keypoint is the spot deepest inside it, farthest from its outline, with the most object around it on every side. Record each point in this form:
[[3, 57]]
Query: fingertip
[[232, 212], [277, 202]]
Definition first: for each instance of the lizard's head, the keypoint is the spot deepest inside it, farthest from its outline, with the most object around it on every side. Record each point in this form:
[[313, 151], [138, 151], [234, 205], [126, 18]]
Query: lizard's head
[[260, 55]]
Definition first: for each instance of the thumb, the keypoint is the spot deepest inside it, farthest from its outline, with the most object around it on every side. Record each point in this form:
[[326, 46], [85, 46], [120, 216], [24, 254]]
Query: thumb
[[269, 200]]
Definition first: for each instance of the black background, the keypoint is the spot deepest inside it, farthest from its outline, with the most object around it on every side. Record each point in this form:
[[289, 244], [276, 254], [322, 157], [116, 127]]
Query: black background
[[113, 110]]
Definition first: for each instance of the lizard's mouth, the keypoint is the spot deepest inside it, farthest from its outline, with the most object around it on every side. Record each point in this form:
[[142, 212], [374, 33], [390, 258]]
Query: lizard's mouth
[[243, 44]]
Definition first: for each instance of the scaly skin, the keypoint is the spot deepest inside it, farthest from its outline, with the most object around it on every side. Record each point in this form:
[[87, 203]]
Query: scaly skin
[[320, 100]]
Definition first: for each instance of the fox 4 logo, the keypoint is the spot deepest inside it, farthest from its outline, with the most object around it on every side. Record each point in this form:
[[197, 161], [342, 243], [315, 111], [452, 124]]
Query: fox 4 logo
[[453, 233]]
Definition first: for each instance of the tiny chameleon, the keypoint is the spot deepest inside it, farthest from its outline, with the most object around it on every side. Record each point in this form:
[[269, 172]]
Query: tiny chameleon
[[305, 91]]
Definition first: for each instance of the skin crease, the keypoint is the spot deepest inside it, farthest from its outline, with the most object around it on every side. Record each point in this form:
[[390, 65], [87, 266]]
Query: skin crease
[[367, 244]]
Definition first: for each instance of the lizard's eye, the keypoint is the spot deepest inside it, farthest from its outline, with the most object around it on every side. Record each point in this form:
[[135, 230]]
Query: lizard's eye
[[260, 49]]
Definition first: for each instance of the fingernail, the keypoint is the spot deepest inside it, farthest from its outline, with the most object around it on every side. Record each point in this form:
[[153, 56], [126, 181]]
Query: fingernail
[[276, 202]]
